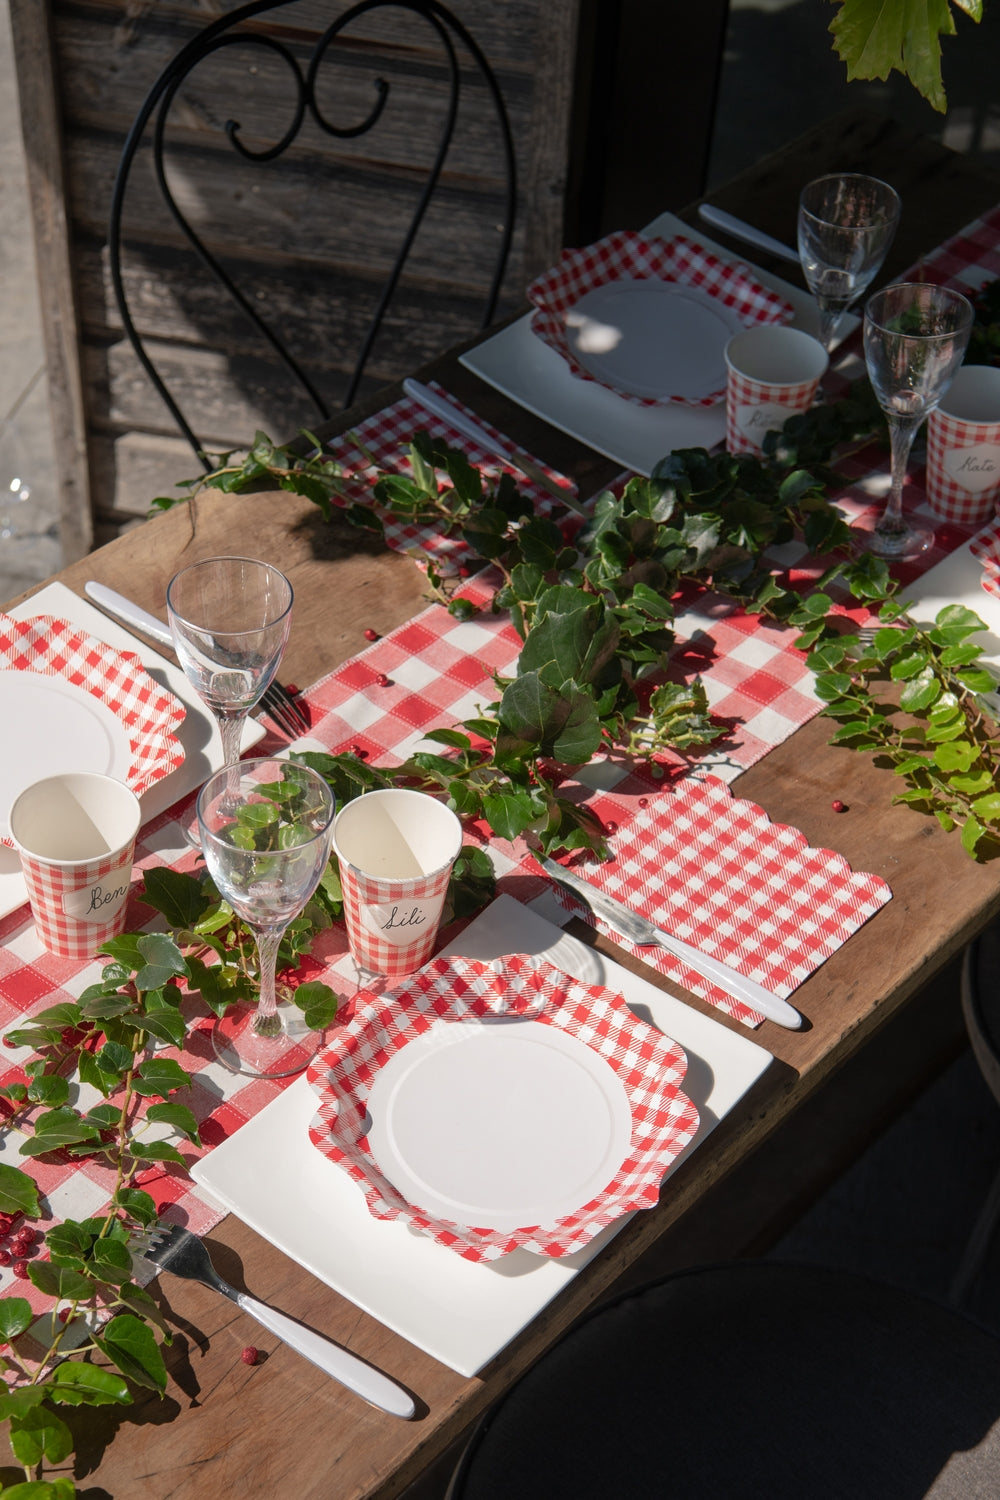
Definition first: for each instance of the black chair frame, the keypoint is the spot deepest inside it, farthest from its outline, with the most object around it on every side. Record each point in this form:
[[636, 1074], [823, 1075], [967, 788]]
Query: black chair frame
[[222, 33]]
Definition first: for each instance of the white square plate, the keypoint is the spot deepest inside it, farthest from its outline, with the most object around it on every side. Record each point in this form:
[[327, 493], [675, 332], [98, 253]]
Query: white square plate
[[461, 1312], [521, 365]]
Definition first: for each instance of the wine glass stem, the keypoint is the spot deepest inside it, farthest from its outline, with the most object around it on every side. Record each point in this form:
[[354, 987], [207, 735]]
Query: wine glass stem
[[267, 1021], [902, 431], [231, 730], [829, 317]]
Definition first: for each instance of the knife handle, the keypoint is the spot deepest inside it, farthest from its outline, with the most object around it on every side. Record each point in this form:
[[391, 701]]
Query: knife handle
[[332, 1359], [732, 981]]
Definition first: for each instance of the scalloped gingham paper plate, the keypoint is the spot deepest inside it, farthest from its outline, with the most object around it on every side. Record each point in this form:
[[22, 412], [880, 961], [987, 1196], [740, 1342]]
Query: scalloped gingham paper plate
[[650, 318], [71, 703], [494, 1000]]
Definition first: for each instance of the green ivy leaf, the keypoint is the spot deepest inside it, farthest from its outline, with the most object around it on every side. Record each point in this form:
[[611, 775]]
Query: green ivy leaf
[[157, 1151], [55, 1128], [957, 755], [61, 1282], [39, 1434], [137, 1204], [160, 1076], [178, 1116], [79, 1383], [59, 1488], [130, 1345], [318, 1003], [18, 1192], [15, 1317], [920, 692]]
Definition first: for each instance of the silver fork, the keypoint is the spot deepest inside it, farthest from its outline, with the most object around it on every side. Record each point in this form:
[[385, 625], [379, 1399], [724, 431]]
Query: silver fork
[[175, 1249], [277, 702]]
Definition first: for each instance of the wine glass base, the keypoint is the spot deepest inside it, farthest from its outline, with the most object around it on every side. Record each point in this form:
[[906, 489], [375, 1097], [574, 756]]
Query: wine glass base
[[241, 1050], [910, 540]]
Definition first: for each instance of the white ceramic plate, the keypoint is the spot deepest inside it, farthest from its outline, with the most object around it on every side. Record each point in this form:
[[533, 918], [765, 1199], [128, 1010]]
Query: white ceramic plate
[[521, 365], [461, 1312], [499, 1126], [198, 733], [655, 339]]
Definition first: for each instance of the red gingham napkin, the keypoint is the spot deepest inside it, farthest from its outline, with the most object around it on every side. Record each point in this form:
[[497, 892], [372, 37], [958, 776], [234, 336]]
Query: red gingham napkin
[[148, 713], [626, 256], [463, 991], [714, 870]]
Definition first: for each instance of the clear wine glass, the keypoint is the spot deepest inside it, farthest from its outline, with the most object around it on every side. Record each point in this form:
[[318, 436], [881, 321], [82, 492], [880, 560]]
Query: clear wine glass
[[915, 336], [846, 224], [265, 831], [229, 617]]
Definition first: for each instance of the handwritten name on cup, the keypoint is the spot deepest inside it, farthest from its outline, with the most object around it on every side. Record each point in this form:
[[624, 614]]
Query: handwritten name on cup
[[974, 469]]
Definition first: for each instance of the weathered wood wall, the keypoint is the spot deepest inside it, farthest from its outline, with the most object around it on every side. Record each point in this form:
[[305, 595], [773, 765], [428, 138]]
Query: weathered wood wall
[[308, 236]]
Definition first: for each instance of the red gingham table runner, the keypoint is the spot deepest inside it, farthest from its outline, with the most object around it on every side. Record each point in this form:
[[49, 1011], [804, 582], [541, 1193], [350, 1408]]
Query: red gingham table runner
[[649, 1065], [439, 671]]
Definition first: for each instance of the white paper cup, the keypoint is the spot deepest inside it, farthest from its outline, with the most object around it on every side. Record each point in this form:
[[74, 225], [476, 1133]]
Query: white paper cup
[[963, 447], [771, 373], [396, 850], [75, 836]]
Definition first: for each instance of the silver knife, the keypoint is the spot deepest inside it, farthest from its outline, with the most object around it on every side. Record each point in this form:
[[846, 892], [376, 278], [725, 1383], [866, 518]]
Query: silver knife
[[440, 406], [130, 614], [740, 230], [637, 929]]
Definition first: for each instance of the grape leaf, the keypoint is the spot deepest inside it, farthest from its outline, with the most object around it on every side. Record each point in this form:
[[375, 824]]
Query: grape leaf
[[874, 36]]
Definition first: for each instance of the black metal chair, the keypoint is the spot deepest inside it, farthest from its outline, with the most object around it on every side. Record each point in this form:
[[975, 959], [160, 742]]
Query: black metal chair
[[750, 1381], [457, 47]]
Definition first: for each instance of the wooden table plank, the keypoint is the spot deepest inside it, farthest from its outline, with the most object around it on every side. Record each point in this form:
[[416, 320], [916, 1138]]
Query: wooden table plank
[[277, 1429]]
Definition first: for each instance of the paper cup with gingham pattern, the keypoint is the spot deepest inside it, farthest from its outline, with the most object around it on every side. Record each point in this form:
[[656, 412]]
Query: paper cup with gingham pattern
[[75, 836], [396, 849], [963, 447], [771, 373]]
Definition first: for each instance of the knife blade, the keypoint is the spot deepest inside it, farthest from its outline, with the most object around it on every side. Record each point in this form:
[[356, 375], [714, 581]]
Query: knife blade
[[740, 230], [440, 406], [130, 614], [639, 930]]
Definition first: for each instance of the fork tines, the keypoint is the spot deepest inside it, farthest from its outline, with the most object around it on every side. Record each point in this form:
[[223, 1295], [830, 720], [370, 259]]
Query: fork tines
[[279, 704]]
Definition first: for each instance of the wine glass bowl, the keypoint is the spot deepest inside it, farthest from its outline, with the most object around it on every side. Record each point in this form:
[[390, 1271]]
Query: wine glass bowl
[[915, 337], [229, 618], [846, 224], [266, 827]]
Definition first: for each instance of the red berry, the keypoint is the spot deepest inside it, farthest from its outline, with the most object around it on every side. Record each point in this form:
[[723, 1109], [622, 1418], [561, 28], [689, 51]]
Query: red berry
[[643, 801], [21, 1269], [23, 1240], [5, 1257], [249, 1355], [382, 680], [371, 635], [8, 1042], [463, 571], [611, 828], [839, 806], [63, 1314]]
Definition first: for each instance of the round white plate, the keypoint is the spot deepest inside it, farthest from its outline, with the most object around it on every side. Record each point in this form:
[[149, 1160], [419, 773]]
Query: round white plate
[[52, 726], [501, 1125], [654, 339]]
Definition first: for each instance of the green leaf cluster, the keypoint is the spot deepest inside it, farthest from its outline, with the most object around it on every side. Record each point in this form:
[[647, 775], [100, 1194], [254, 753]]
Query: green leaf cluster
[[916, 698]]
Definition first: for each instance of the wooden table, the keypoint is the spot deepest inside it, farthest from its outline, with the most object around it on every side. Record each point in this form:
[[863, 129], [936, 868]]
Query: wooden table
[[878, 1026]]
